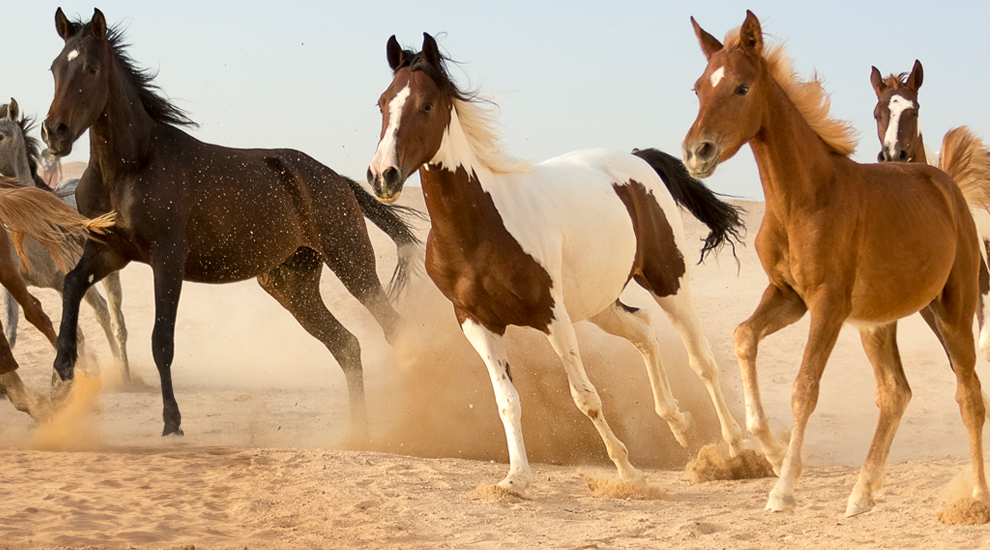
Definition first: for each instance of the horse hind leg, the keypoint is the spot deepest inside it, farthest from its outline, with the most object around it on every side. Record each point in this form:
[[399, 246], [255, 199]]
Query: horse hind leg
[[634, 325], [928, 314], [295, 284], [564, 341], [118, 341], [13, 315], [680, 310], [893, 395]]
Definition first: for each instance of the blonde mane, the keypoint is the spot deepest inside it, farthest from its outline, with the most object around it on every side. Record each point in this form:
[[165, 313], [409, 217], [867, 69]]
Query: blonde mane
[[479, 129], [809, 97]]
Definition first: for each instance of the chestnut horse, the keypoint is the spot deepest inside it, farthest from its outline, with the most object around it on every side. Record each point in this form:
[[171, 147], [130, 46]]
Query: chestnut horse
[[39, 215], [851, 243], [899, 129], [546, 246], [200, 212]]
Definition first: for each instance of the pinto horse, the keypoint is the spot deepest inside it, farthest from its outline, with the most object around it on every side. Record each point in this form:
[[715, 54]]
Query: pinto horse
[[546, 246], [899, 129], [851, 243], [200, 212], [18, 159]]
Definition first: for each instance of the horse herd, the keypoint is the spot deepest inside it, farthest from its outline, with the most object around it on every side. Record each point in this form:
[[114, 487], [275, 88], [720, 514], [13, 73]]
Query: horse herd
[[513, 243]]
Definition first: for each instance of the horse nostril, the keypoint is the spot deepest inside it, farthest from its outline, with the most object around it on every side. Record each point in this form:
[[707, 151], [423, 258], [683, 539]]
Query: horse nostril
[[902, 156], [705, 151], [881, 156], [370, 176], [391, 175]]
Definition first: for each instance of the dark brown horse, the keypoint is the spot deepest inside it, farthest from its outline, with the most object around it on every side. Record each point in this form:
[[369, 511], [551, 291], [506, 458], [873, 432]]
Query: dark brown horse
[[851, 243], [199, 212]]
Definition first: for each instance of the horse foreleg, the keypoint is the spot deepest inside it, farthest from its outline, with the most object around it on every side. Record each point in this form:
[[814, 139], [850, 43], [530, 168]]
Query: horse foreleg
[[778, 308], [489, 346], [826, 321], [167, 263], [634, 325], [13, 316], [893, 395], [564, 342]]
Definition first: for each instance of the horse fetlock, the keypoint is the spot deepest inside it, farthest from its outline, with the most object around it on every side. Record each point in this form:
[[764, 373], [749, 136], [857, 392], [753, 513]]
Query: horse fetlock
[[517, 482], [683, 427]]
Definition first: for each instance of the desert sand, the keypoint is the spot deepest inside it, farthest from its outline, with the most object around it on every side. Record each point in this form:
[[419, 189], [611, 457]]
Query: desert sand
[[266, 461]]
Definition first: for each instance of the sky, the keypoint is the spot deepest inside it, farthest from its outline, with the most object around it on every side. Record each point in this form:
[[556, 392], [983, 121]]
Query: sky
[[565, 75]]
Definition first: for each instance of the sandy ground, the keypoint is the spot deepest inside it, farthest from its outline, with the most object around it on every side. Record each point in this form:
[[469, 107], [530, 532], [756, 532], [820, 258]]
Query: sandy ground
[[265, 462]]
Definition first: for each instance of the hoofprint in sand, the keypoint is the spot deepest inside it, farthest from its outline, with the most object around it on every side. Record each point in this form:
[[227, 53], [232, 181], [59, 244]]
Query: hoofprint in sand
[[263, 405]]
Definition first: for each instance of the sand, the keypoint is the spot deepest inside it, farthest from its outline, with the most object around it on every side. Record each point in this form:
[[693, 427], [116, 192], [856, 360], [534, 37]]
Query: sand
[[265, 462]]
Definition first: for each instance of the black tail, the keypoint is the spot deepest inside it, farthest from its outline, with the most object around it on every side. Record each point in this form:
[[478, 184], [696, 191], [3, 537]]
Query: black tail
[[722, 218], [395, 221]]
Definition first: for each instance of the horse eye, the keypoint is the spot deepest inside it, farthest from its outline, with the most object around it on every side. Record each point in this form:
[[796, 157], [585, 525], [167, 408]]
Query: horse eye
[[695, 90], [742, 89], [428, 107]]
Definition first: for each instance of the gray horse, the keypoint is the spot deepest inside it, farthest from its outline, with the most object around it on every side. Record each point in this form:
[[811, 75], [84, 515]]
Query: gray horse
[[18, 154]]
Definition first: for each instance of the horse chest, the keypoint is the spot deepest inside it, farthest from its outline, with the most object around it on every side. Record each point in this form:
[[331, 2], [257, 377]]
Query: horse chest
[[491, 280]]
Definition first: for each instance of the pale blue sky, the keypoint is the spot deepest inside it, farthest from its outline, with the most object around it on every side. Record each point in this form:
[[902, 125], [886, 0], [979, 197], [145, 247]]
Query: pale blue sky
[[567, 75]]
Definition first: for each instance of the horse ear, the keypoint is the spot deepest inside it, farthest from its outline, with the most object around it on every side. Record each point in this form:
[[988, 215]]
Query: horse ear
[[98, 25], [431, 53], [751, 34], [917, 76], [394, 52], [62, 24], [13, 110], [709, 44], [877, 80]]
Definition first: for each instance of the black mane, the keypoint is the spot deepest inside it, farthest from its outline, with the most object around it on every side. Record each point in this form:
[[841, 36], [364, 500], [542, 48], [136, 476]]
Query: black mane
[[156, 103]]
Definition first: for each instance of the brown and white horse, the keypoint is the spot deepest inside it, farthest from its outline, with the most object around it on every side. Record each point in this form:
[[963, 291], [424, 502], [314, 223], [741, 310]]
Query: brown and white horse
[[899, 130], [543, 246], [864, 244]]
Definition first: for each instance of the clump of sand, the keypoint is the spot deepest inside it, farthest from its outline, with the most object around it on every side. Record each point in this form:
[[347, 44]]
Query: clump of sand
[[495, 493], [615, 488], [965, 511], [72, 425], [714, 463]]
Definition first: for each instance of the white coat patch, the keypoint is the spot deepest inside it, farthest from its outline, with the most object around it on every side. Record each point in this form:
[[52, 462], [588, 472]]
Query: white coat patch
[[717, 76], [72, 55]]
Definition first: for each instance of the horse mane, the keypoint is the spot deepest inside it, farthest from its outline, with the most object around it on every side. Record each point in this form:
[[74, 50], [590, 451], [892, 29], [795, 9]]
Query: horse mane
[[809, 96], [479, 123], [155, 102], [895, 81]]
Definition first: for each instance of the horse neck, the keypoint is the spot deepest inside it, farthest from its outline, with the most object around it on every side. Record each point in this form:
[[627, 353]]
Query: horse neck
[[452, 185], [121, 136], [20, 169], [793, 162], [918, 152]]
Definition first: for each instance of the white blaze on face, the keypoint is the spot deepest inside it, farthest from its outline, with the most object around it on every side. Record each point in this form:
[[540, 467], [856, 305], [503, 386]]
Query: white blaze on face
[[897, 106], [72, 55], [386, 155], [717, 76]]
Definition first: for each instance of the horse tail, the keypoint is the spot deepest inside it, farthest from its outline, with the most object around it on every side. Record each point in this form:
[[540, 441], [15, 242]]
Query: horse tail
[[396, 222], [723, 219], [41, 216], [964, 158]]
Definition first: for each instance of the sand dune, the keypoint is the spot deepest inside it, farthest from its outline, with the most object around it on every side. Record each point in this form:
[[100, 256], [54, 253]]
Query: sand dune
[[265, 463]]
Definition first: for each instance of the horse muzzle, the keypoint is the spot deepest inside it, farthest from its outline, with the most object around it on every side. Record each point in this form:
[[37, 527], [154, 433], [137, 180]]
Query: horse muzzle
[[387, 184], [894, 154], [57, 136], [701, 158]]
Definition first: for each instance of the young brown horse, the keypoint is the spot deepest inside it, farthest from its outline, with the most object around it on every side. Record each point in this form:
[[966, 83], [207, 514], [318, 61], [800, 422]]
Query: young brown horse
[[199, 212], [39, 215], [547, 245], [899, 128], [863, 244]]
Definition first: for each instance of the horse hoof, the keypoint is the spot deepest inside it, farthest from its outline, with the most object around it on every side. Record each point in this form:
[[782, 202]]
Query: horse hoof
[[858, 506], [780, 502], [172, 431]]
